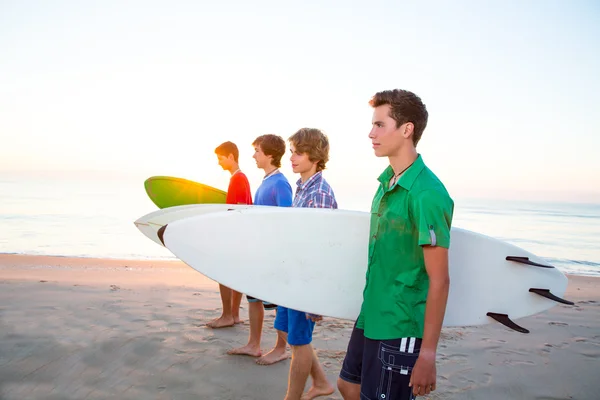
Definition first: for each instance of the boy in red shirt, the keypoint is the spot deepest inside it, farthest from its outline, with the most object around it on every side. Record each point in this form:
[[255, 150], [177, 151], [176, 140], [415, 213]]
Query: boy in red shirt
[[237, 193]]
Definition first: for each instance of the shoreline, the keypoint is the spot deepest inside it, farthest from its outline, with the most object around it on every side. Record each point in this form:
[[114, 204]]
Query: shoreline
[[78, 261], [96, 328]]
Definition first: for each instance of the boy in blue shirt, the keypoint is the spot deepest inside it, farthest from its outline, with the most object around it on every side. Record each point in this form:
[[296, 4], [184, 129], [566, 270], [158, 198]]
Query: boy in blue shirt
[[275, 190]]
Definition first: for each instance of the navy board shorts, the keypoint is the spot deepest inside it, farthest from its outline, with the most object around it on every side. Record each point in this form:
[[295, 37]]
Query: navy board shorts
[[266, 305], [382, 368]]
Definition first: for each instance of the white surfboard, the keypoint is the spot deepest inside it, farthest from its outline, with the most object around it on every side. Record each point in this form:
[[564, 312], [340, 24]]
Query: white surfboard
[[150, 223], [315, 260]]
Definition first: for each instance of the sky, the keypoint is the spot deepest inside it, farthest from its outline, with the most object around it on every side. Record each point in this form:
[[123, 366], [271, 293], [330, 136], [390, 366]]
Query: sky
[[141, 88]]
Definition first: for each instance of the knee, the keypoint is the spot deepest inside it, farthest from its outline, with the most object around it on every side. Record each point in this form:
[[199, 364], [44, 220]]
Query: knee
[[342, 386], [348, 390], [299, 347], [299, 342], [255, 304]]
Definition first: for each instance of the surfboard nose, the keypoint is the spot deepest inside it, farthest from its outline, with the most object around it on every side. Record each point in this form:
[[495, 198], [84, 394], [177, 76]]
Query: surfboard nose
[[161, 232]]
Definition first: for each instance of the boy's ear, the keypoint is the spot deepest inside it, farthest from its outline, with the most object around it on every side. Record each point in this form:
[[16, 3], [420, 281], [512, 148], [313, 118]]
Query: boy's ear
[[409, 129], [230, 157]]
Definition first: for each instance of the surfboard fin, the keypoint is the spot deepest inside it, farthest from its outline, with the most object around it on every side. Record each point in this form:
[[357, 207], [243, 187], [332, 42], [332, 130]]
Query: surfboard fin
[[526, 260], [161, 232], [506, 321], [547, 294]]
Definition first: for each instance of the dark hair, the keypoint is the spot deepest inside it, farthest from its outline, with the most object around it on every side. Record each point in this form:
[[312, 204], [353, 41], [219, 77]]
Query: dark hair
[[405, 107], [227, 148], [271, 145], [314, 143]]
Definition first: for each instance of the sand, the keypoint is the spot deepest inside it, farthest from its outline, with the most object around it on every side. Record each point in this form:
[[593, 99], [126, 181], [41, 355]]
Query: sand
[[76, 328]]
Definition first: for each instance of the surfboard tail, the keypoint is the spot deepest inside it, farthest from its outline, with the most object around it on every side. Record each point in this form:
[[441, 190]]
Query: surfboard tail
[[505, 320]]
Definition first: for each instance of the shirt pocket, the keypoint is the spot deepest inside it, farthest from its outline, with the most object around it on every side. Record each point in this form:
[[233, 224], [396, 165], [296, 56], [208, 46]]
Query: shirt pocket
[[395, 231]]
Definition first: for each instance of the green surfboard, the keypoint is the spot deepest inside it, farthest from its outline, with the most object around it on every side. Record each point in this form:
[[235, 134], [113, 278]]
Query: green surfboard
[[168, 191]]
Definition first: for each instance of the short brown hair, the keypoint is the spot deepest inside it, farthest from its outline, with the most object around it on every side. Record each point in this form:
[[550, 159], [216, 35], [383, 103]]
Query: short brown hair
[[271, 145], [314, 143], [405, 107], [227, 148]]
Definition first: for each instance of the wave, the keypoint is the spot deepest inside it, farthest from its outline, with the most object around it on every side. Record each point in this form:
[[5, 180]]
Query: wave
[[573, 262], [533, 212]]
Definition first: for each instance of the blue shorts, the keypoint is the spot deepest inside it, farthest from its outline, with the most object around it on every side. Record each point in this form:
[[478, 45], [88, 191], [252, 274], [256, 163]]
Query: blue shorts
[[266, 305], [382, 368], [298, 328]]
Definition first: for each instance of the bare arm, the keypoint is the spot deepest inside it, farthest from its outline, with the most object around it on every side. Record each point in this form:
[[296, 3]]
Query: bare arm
[[436, 263], [423, 378]]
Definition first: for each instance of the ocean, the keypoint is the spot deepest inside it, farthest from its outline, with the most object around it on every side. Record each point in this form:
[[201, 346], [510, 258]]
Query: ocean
[[77, 217]]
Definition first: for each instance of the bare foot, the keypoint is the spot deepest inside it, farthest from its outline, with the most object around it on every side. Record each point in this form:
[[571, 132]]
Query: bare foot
[[237, 320], [315, 392], [247, 350], [221, 322], [272, 357]]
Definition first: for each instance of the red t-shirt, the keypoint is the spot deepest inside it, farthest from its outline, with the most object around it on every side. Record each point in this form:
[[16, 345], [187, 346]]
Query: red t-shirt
[[239, 189]]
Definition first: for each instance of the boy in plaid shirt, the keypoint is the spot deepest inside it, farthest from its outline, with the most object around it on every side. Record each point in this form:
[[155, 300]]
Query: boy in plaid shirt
[[310, 153]]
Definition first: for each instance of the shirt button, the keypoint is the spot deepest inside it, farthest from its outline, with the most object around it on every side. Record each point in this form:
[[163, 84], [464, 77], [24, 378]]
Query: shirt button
[[374, 236], [379, 214]]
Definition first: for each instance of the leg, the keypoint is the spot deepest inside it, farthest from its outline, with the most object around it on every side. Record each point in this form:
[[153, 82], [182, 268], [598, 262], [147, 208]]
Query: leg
[[304, 359], [349, 391], [300, 367], [226, 318], [256, 315], [349, 380], [279, 352], [236, 300], [320, 386]]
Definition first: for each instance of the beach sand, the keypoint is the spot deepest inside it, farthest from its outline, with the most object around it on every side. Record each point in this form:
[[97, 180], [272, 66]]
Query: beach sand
[[77, 328]]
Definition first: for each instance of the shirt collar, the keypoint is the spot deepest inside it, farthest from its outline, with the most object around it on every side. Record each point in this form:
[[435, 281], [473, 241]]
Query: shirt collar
[[407, 178], [316, 178]]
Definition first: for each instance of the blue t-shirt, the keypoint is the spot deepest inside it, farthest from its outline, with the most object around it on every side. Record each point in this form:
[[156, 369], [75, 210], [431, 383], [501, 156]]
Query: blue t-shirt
[[274, 191]]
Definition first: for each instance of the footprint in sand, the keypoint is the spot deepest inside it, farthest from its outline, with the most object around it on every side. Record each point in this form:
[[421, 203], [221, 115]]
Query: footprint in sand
[[518, 362], [334, 325], [454, 357], [558, 323], [331, 354]]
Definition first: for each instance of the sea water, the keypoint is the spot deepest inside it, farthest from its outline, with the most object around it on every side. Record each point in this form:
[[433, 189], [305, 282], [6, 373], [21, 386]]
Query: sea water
[[94, 218]]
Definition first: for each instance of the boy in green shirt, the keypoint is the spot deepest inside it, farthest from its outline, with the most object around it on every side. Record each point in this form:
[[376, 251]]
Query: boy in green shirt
[[392, 350]]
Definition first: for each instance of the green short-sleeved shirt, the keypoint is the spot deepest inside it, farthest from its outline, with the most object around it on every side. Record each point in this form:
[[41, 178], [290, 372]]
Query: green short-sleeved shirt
[[414, 212]]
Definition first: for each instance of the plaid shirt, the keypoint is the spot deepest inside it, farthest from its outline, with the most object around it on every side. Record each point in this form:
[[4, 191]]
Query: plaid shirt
[[315, 193]]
